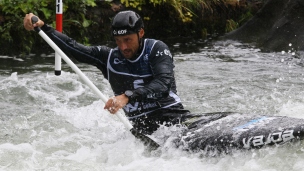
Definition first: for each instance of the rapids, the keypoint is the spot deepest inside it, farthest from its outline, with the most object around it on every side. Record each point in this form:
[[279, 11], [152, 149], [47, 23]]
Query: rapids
[[50, 122]]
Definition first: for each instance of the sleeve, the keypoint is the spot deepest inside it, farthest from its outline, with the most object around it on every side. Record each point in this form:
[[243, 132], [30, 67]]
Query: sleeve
[[93, 55], [161, 63]]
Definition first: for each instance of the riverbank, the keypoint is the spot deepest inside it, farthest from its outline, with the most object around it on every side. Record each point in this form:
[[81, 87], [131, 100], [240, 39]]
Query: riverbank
[[89, 22]]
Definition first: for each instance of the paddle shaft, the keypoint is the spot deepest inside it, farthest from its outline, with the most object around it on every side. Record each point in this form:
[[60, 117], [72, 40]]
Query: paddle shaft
[[82, 76]]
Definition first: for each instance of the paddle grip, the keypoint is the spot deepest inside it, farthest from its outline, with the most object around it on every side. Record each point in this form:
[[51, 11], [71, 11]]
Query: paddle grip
[[35, 20]]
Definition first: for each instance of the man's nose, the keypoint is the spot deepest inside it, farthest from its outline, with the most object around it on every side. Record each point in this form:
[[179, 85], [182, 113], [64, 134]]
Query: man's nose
[[123, 46]]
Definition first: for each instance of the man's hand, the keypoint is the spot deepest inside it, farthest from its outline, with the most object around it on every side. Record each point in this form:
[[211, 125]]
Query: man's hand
[[116, 103], [27, 22]]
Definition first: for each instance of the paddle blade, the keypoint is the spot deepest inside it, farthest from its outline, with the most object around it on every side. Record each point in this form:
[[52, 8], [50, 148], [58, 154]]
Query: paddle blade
[[145, 139]]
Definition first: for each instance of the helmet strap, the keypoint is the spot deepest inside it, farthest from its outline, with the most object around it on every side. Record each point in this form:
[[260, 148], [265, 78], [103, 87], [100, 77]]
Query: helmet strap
[[139, 47], [139, 43]]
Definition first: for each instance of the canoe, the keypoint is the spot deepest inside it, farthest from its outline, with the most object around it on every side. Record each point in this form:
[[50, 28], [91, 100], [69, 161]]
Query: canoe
[[224, 131]]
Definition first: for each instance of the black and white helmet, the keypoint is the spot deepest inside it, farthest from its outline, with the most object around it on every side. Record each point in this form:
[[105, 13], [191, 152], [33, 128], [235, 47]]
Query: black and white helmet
[[126, 22]]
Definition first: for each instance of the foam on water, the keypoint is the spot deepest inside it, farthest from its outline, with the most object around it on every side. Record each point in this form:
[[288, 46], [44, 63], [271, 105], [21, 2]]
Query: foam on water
[[52, 122]]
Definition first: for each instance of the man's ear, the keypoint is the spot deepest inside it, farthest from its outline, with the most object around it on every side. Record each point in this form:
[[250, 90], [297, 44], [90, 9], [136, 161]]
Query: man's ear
[[141, 33]]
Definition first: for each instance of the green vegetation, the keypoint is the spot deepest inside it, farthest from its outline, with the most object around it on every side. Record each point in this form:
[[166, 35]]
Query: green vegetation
[[15, 37], [88, 21]]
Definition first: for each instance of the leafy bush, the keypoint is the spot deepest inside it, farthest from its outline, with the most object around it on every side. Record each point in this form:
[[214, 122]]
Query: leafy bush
[[14, 36], [89, 20]]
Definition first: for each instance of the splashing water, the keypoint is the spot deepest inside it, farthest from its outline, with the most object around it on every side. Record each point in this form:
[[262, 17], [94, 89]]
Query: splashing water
[[56, 123]]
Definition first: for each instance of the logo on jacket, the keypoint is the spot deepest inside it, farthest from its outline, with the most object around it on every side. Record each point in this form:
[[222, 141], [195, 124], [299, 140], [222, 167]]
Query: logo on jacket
[[146, 57], [118, 61], [166, 52]]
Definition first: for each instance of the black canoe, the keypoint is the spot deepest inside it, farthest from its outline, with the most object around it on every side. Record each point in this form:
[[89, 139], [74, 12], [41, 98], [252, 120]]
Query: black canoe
[[225, 131]]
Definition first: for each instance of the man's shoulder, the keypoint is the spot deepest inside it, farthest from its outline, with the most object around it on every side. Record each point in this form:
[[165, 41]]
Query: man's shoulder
[[155, 44], [159, 48], [154, 40]]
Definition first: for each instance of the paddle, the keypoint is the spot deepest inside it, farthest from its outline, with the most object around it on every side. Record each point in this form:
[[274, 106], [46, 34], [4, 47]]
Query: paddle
[[147, 141]]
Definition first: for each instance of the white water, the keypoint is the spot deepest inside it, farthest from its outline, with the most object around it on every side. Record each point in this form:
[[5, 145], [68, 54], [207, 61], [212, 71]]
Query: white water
[[52, 122]]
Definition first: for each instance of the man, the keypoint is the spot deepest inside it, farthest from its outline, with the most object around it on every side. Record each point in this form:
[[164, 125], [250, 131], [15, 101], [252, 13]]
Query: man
[[140, 71]]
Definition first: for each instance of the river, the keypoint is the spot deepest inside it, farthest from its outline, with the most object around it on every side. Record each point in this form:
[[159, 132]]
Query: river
[[50, 122]]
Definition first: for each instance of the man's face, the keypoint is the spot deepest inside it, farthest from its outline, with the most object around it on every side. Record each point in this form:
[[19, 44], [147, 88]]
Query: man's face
[[128, 44]]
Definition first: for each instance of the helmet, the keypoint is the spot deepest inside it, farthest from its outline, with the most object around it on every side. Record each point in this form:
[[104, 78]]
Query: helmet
[[126, 22]]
